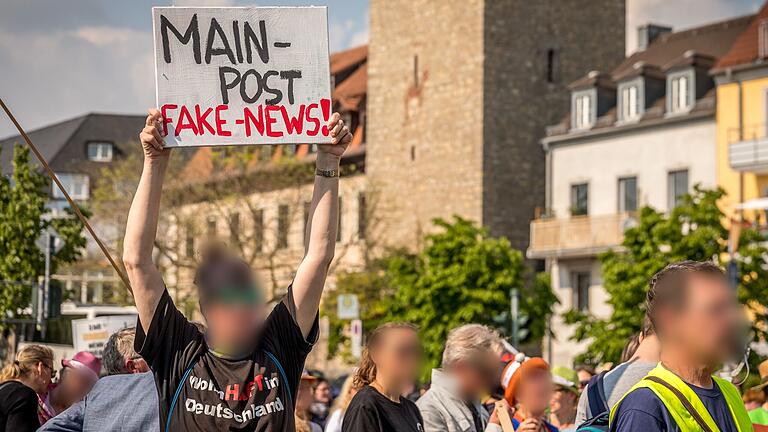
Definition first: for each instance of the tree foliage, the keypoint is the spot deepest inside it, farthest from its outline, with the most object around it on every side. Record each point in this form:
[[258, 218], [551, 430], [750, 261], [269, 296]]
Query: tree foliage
[[23, 221], [692, 231]]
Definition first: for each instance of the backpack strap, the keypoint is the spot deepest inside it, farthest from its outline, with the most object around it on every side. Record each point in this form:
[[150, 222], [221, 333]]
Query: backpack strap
[[178, 392], [282, 374], [596, 395], [686, 403]]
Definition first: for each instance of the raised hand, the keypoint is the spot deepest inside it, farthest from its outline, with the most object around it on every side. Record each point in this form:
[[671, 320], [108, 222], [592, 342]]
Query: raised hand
[[151, 139], [341, 137]]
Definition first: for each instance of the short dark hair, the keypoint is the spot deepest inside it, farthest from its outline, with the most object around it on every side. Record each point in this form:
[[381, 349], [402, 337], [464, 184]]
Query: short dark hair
[[668, 287]]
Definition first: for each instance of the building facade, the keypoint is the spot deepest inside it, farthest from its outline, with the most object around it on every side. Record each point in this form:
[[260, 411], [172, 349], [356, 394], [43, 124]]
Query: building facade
[[642, 135], [460, 93]]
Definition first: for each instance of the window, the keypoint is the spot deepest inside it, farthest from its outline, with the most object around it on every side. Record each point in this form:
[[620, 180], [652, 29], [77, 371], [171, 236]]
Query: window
[[362, 213], [552, 65], [762, 39], [76, 185], [679, 93], [582, 108], [234, 228], [307, 206], [627, 194], [100, 151], [338, 228], [210, 226], [581, 283], [189, 242], [258, 231], [677, 187], [579, 199], [283, 222], [630, 102]]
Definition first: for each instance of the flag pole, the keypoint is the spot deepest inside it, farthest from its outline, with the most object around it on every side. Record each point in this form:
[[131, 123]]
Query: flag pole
[[71, 202]]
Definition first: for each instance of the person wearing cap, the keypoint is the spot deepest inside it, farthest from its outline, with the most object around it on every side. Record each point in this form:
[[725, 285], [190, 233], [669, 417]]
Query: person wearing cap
[[562, 407], [470, 370], [77, 377], [243, 373], [528, 388], [304, 400], [759, 415]]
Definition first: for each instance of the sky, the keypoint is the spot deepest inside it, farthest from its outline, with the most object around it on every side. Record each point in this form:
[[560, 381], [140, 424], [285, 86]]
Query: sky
[[60, 59]]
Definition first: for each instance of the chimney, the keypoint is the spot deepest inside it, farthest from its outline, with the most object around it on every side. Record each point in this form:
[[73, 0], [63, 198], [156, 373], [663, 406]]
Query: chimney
[[648, 33]]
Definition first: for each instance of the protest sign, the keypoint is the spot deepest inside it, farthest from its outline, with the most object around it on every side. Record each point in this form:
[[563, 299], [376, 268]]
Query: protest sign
[[91, 334], [242, 75]]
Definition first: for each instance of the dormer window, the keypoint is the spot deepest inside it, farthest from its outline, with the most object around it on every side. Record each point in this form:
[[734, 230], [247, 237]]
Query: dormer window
[[583, 109], [100, 151], [630, 100], [679, 92], [762, 39]]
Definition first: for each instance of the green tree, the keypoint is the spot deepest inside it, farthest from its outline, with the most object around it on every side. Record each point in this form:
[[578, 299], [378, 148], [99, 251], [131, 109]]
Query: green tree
[[692, 231], [23, 220]]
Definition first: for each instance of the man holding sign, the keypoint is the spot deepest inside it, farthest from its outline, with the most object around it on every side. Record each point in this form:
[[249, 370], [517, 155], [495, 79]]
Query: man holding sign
[[243, 373]]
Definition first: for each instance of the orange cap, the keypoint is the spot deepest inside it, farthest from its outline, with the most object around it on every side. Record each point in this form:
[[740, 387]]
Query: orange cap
[[514, 372]]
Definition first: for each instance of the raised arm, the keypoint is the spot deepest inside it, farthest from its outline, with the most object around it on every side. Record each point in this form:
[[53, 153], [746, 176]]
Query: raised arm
[[140, 232], [321, 229]]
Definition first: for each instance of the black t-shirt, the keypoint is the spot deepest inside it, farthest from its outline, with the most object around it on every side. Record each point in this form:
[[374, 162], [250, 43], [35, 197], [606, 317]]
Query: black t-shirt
[[18, 408], [249, 394], [371, 411]]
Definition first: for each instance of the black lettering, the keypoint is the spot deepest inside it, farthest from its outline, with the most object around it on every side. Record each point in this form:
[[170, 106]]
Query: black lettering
[[214, 29], [192, 32], [238, 45], [278, 94], [290, 75], [244, 83], [262, 47], [225, 86]]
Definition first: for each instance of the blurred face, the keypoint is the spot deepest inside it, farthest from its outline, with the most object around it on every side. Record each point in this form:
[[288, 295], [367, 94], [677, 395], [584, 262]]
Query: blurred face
[[304, 397], [584, 377], [398, 356], [563, 402], [323, 392], [535, 390], [708, 323], [479, 375], [75, 384], [233, 325], [136, 365], [45, 374]]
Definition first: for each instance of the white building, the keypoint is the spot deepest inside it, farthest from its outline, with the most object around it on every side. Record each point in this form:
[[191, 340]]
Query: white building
[[642, 135]]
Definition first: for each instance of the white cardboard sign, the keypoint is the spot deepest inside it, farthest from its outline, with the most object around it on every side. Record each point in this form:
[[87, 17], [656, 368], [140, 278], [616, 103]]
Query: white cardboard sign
[[92, 334], [242, 75]]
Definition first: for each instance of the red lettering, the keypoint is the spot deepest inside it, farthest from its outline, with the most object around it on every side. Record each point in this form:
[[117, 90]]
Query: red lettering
[[325, 105], [202, 120], [166, 120], [220, 122], [293, 123], [251, 118], [259, 380], [269, 120], [312, 119], [189, 124], [232, 390]]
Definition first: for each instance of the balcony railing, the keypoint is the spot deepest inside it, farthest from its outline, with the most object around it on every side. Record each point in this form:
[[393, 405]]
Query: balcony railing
[[748, 148], [578, 235]]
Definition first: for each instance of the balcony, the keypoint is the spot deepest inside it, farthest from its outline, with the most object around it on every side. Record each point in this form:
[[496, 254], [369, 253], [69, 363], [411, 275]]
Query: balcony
[[577, 236], [748, 149]]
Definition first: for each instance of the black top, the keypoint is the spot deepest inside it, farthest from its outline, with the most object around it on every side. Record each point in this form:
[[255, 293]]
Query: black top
[[18, 408], [371, 411], [221, 394]]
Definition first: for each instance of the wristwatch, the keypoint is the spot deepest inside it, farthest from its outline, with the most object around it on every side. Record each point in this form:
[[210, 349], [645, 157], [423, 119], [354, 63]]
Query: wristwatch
[[327, 173]]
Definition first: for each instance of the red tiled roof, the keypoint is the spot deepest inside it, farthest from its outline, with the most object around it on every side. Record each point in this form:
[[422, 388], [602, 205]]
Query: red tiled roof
[[352, 90], [345, 59], [745, 50]]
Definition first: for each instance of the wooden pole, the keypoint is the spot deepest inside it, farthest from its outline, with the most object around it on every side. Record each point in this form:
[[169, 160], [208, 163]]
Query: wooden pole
[[71, 202]]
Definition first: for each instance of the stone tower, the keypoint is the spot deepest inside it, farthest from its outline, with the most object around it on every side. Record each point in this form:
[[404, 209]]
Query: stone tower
[[459, 95]]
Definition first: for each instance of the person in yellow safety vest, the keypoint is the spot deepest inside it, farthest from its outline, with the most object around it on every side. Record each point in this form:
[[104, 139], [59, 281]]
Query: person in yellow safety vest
[[697, 319]]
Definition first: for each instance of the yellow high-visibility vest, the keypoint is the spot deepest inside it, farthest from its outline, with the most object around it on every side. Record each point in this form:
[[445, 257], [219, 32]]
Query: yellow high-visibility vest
[[680, 413]]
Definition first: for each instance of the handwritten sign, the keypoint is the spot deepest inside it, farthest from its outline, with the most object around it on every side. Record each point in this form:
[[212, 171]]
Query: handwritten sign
[[242, 75], [92, 334]]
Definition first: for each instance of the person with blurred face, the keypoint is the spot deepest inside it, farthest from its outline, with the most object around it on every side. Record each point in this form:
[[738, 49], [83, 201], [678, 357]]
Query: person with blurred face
[[304, 401], [389, 365], [471, 369], [340, 405], [528, 389], [78, 376], [21, 382], [699, 322], [562, 407], [321, 392], [244, 371]]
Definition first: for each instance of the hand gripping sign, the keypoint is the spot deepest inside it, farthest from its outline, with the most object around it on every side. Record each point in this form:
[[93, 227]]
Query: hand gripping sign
[[242, 75]]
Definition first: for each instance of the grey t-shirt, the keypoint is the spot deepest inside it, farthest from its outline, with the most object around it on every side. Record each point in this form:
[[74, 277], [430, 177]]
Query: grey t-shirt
[[616, 384]]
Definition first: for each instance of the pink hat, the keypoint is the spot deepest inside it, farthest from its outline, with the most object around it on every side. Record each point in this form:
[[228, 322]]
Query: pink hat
[[85, 362]]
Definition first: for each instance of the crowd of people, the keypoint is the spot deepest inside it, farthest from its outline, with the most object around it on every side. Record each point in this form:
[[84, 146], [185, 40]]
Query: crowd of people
[[244, 369]]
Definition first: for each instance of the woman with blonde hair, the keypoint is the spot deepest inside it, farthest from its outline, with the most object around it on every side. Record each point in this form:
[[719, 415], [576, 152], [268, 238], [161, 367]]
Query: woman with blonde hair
[[340, 405], [21, 381], [389, 365]]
